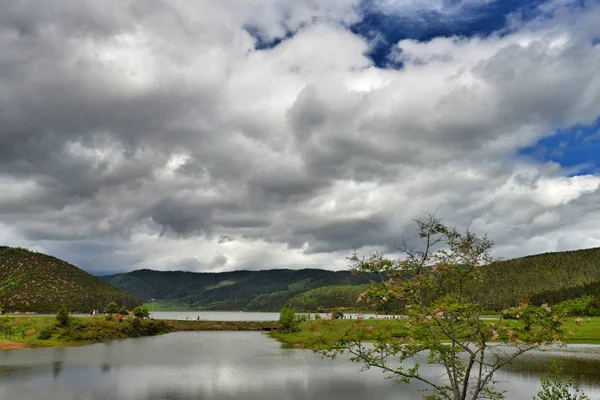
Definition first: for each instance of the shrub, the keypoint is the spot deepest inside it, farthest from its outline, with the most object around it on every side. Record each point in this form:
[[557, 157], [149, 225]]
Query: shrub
[[302, 317], [45, 333], [337, 314], [141, 312], [579, 307], [111, 308], [63, 316], [123, 310], [108, 317], [288, 320]]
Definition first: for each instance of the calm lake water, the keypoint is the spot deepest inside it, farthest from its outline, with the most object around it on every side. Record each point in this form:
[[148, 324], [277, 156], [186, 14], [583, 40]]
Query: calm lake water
[[233, 365]]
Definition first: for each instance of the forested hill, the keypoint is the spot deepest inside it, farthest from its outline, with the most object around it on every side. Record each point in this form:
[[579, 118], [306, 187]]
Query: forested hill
[[549, 277], [266, 290], [542, 278], [36, 282]]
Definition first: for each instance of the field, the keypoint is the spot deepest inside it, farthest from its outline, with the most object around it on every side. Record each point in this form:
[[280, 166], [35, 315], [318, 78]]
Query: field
[[587, 331]]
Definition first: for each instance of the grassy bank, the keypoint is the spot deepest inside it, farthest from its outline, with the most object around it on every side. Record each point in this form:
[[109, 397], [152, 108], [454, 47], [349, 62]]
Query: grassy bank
[[586, 331], [37, 331], [178, 325]]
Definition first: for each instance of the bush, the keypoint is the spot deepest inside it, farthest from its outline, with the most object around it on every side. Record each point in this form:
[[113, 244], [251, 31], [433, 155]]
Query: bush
[[337, 314], [123, 310], [45, 333], [111, 308], [63, 316], [141, 312], [108, 317], [579, 307], [136, 325], [287, 319], [302, 317]]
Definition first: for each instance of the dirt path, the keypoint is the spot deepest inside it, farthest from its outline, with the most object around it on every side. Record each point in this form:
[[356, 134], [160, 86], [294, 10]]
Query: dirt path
[[8, 345]]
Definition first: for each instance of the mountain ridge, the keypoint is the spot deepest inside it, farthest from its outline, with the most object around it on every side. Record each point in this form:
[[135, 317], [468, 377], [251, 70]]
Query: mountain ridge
[[37, 282], [547, 277]]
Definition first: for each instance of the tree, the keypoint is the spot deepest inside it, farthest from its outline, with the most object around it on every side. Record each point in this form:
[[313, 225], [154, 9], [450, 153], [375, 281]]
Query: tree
[[123, 310], [435, 283], [111, 308], [287, 319], [141, 312], [63, 316]]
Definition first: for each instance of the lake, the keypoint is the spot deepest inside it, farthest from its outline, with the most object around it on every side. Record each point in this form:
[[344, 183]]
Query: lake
[[234, 365]]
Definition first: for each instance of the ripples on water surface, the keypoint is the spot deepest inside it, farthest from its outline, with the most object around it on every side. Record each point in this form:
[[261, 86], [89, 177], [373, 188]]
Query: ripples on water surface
[[231, 365]]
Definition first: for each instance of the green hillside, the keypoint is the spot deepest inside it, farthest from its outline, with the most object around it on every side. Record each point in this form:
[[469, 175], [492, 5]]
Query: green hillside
[[267, 290], [542, 278], [35, 282], [549, 277], [328, 297]]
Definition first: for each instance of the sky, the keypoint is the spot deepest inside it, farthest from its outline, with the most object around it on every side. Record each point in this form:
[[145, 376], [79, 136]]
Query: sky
[[254, 134]]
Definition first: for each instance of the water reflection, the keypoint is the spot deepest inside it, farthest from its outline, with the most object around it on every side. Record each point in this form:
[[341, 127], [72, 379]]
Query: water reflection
[[227, 365]]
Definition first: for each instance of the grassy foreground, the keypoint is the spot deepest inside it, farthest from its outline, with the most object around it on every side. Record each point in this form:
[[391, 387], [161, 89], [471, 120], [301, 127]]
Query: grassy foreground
[[586, 331]]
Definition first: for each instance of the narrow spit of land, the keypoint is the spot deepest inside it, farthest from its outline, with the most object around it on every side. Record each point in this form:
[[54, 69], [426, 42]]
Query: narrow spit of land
[[44, 331]]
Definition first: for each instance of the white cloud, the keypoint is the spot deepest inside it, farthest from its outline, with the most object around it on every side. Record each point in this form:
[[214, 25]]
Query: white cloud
[[160, 138]]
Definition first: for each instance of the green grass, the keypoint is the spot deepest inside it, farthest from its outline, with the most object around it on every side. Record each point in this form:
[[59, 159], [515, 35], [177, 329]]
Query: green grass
[[334, 329], [37, 331], [588, 331]]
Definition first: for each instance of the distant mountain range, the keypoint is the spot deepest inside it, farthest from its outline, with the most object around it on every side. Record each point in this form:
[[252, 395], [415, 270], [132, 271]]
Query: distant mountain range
[[266, 290], [36, 282], [549, 277]]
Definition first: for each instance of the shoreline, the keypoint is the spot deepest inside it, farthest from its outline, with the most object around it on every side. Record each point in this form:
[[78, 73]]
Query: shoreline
[[43, 331], [27, 331]]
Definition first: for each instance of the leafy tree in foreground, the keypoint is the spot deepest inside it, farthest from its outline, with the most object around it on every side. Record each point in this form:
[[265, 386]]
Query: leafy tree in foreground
[[123, 310], [443, 321], [141, 312], [111, 308]]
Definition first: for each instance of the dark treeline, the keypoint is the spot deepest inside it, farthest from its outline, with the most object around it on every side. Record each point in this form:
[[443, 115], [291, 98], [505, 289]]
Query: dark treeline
[[35, 282], [543, 278]]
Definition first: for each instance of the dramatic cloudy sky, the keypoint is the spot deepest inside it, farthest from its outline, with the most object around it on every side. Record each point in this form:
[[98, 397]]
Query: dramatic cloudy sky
[[218, 135]]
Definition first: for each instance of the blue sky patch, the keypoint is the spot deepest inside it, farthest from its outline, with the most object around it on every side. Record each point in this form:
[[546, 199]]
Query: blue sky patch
[[576, 148], [390, 28]]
